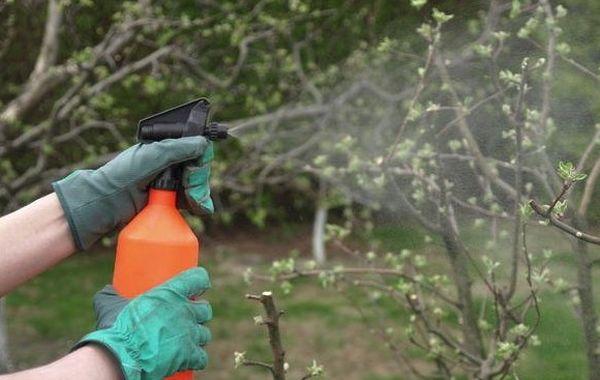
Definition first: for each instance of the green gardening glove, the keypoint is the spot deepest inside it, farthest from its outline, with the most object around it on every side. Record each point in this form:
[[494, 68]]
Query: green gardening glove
[[97, 201], [196, 192], [158, 333]]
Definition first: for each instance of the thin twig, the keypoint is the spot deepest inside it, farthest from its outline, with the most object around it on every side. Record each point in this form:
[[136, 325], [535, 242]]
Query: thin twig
[[564, 226]]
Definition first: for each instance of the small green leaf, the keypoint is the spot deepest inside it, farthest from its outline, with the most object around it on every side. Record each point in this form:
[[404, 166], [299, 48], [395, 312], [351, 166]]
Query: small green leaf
[[418, 3], [441, 17]]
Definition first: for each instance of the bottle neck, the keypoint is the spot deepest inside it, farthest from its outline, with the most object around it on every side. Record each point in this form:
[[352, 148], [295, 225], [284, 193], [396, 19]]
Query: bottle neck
[[168, 179], [162, 197]]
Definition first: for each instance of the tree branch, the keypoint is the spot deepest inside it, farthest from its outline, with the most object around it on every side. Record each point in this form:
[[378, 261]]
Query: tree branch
[[272, 323], [517, 119], [35, 88], [588, 190], [562, 225]]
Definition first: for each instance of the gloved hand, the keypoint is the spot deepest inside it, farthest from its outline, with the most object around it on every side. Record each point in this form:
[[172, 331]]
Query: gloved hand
[[196, 176], [158, 333], [97, 201]]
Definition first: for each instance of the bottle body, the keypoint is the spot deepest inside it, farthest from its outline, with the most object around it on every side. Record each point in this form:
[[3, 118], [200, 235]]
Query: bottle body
[[154, 247]]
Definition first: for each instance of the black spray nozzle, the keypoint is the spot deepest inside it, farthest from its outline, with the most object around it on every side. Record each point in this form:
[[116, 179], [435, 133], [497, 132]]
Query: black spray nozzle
[[189, 119], [215, 131]]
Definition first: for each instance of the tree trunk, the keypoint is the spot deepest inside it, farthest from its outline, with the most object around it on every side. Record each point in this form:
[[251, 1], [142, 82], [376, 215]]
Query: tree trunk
[[462, 280], [585, 290], [318, 235], [5, 364]]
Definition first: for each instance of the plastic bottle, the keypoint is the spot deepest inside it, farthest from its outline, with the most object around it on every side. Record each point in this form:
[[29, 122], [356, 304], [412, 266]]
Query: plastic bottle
[[158, 244], [155, 246]]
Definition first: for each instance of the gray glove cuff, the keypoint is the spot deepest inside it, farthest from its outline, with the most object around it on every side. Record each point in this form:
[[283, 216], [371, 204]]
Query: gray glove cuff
[[93, 208], [68, 215]]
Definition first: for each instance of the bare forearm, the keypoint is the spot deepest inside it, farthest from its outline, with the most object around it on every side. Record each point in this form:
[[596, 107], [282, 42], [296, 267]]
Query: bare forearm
[[89, 363], [32, 239]]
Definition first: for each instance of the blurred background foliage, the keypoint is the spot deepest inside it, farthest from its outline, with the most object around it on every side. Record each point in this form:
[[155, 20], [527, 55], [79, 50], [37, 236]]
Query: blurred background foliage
[[240, 82], [240, 54]]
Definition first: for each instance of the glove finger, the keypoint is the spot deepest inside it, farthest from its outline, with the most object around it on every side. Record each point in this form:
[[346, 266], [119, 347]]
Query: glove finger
[[107, 306], [146, 160], [196, 176], [196, 184], [171, 151], [198, 359], [199, 197], [189, 283], [207, 205], [204, 208], [202, 311], [197, 190], [209, 153], [203, 335]]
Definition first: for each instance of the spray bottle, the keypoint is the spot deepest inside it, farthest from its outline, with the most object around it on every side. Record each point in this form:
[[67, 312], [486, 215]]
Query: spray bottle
[[158, 244]]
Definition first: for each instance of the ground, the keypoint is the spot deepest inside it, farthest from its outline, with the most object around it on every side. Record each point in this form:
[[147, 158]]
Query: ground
[[47, 315]]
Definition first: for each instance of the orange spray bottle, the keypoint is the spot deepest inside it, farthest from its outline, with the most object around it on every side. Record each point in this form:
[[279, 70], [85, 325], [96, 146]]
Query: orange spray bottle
[[158, 243]]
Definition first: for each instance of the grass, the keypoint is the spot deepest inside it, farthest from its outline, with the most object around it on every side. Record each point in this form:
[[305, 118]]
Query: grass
[[392, 237], [560, 355], [47, 315]]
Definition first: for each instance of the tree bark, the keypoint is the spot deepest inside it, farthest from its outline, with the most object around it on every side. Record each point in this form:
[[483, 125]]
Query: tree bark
[[318, 233], [462, 281], [271, 322], [318, 238], [585, 290], [41, 80]]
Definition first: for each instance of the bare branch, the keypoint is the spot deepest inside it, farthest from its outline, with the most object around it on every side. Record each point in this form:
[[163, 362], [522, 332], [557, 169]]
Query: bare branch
[[49, 49], [551, 59], [193, 64], [361, 271], [272, 324], [45, 60], [112, 79], [588, 190], [256, 363], [297, 54], [517, 119]]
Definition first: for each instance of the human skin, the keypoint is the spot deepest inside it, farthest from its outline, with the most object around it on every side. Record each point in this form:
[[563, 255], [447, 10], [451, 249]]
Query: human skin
[[33, 239], [89, 362]]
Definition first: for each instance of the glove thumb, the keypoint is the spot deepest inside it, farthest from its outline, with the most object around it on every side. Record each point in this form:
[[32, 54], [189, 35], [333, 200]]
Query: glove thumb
[[108, 305]]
